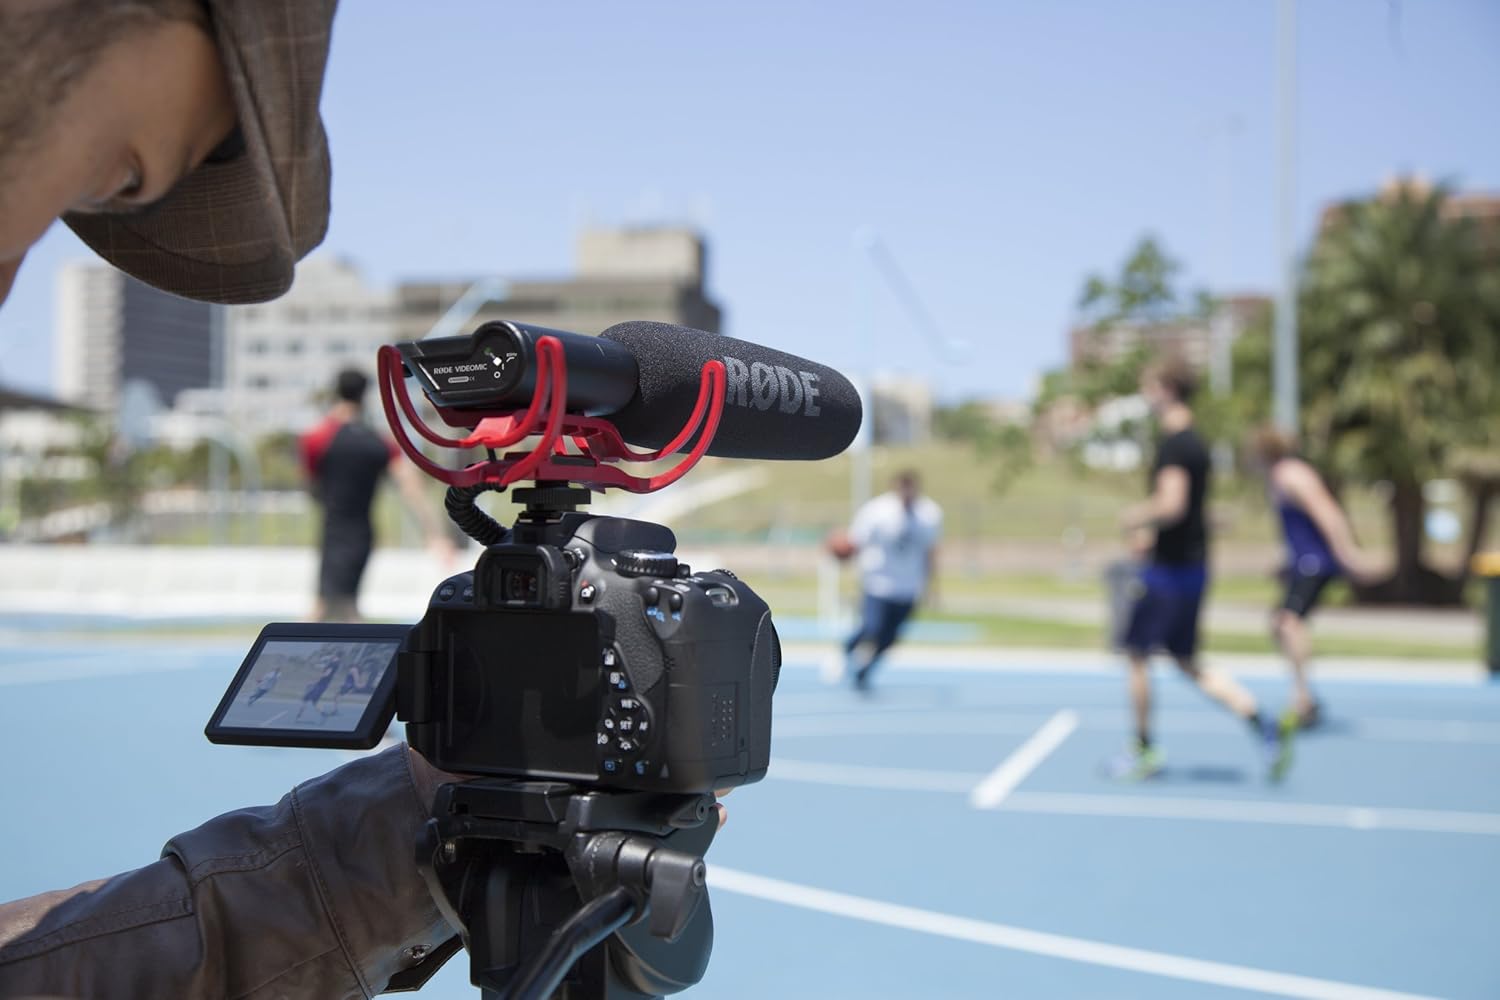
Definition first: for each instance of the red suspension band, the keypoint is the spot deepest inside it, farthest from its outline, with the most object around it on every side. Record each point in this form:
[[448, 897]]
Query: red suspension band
[[595, 438]]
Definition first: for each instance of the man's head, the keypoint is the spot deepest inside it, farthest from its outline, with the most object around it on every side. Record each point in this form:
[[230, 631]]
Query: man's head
[[1168, 383], [180, 139], [908, 486], [349, 386], [107, 104]]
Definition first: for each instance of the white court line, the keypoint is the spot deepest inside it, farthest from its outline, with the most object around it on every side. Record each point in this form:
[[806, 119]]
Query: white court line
[[1240, 811], [1153, 963], [962, 723], [1013, 770], [1143, 806], [1042, 663], [901, 779], [971, 721]]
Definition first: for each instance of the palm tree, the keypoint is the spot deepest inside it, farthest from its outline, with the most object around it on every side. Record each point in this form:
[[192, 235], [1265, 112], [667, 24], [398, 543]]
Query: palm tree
[[1400, 343]]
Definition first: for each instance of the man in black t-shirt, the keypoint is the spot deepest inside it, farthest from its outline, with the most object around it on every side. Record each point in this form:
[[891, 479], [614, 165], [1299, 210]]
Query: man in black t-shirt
[[1170, 531], [345, 459]]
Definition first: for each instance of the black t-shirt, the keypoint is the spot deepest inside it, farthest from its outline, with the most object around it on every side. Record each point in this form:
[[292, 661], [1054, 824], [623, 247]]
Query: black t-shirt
[[346, 461], [1186, 542]]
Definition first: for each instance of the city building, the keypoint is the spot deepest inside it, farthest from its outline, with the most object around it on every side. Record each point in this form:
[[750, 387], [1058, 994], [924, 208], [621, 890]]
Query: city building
[[1482, 209], [111, 329], [1188, 338], [653, 273], [900, 410], [281, 356]]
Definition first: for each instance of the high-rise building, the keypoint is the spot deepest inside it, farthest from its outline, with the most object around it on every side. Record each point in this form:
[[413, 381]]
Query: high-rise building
[[654, 273], [111, 328], [280, 357]]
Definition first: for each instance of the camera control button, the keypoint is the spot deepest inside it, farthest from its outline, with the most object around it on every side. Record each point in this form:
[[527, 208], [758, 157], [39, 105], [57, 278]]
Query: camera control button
[[469, 592], [446, 592], [640, 767], [601, 739], [625, 745], [674, 601], [642, 728], [628, 705], [587, 592], [653, 596], [644, 562], [609, 723], [610, 765], [618, 680]]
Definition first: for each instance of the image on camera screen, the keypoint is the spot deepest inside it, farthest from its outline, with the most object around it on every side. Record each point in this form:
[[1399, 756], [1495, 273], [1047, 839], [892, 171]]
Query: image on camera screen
[[313, 684]]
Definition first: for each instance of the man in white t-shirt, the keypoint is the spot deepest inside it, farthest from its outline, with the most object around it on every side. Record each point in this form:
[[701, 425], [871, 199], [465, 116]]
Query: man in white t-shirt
[[895, 536]]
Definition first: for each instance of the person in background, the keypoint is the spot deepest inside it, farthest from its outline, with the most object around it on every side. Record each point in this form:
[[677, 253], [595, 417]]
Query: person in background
[[895, 536], [345, 459], [1170, 530], [265, 684], [1320, 548]]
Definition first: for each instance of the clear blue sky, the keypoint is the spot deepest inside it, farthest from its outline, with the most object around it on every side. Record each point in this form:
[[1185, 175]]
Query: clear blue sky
[[1003, 150]]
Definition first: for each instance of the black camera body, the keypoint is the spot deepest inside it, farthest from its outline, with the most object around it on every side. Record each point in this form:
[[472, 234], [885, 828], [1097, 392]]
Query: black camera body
[[582, 651]]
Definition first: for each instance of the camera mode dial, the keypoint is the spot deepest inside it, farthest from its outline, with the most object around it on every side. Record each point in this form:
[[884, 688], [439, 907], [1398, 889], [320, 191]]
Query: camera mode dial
[[644, 562]]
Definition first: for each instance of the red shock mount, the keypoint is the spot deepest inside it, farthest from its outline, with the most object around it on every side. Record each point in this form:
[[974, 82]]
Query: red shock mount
[[595, 441]]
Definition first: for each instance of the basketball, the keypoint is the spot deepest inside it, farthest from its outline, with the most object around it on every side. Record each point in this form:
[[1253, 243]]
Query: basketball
[[839, 545]]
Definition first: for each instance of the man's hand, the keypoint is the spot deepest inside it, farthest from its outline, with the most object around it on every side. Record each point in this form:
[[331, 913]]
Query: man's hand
[[1138, 541], [1361, 567]]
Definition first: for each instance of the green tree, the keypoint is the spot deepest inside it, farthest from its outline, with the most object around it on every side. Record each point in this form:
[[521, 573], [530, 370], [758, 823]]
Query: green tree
[[1143, 290], [1399, 321], [1005, 447]]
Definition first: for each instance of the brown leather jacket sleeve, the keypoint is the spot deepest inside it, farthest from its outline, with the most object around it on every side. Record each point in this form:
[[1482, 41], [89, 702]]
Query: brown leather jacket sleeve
[[316, 896]]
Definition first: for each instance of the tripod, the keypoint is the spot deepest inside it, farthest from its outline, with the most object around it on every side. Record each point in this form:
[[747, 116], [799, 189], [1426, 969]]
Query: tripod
[[549, 885]]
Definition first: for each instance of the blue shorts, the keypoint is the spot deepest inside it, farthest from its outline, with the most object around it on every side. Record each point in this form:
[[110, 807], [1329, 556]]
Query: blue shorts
[[1165, 615]]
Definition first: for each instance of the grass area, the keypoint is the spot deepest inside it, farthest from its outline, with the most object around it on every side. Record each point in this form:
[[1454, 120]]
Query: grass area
[[1054, 503], [800, 501]]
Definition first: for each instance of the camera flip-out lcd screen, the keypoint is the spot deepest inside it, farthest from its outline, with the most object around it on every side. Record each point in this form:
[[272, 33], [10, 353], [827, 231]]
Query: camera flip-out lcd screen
[[312, 685]]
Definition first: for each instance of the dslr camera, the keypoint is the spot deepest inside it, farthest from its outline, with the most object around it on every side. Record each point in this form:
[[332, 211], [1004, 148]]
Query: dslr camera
[[594, 690], [580, 651]]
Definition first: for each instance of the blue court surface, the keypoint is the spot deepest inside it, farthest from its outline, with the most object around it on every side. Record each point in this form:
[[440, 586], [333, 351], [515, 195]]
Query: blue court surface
[[949, 836]]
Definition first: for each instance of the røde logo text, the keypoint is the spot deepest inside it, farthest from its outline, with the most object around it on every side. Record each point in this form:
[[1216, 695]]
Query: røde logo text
[[765, 386]]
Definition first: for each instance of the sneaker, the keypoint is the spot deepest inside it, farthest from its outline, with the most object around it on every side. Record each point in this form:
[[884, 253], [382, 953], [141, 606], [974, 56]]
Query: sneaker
[[1276, 742], [1310, 717], [862, 680], [1136, 764]]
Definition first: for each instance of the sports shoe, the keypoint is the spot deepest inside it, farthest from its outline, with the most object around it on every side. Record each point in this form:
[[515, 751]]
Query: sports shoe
[[1310, 717], [1136, 764], [1276, 744]]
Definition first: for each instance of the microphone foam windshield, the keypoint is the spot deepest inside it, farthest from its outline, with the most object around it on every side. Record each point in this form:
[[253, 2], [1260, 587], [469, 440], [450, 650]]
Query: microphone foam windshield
[[776, 405]]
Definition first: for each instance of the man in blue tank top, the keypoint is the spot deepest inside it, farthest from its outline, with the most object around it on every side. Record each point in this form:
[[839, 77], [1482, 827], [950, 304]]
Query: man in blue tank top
[[1170, 591], [1320, 547]]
